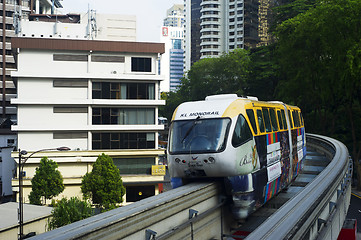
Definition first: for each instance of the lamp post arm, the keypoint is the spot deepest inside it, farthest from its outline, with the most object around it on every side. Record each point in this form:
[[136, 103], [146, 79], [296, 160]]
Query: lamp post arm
[[21, 153], [21, 168]]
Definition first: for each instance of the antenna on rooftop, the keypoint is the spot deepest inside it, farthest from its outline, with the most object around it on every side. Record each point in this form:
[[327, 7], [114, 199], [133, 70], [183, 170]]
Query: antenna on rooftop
[[92, 24], [17, 18]]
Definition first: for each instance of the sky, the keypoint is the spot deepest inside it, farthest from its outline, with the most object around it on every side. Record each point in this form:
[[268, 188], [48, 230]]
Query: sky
[[149, 13]]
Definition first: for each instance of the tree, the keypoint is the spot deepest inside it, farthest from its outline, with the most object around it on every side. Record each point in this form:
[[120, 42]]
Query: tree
[[47, 182], [289, 9], [103, 185], [68, 211], [172, 100], [264, 73], [225, 74], [320, 58]]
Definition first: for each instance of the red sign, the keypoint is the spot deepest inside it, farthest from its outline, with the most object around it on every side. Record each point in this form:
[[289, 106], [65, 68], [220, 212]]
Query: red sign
[[165, 31]]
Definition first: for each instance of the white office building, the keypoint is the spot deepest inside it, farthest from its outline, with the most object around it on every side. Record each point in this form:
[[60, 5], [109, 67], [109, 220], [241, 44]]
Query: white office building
[[93, 97]]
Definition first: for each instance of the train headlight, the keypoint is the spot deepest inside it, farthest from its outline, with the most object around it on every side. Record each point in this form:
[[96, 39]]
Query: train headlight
[[211, 160], [177, 160]]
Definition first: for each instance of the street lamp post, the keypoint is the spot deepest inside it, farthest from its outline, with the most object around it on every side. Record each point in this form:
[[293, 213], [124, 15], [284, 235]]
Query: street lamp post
[[22, 161]]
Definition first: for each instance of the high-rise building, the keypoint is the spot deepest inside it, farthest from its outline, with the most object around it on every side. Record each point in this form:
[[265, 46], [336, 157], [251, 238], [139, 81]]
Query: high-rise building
[[192, 30], [172, 35], [216, 26], [175, 16]]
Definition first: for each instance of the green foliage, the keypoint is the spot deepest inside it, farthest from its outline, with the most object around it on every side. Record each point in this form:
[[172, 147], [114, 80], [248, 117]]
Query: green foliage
[[103, 185], [47, 182], [35, 197], [172, 99], [264, 74], [68, 211], [225, 74], [290, 9], [320, 57]]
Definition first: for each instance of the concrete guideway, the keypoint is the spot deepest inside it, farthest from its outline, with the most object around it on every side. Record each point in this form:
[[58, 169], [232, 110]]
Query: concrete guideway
[[198, 210], [169, 213]]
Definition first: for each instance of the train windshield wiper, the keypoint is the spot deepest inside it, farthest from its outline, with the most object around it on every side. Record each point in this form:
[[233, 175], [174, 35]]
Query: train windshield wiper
[[190, 129]]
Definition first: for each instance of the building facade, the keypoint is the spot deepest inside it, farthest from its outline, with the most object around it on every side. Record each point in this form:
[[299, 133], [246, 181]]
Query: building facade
[[172, 35], [93, 97], [41, 19], [213, 27], [11, 12]]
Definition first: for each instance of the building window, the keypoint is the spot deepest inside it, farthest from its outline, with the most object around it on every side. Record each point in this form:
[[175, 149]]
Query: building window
[[108, 90], [123, 140], [134, 165], [107, 58], [11, 142], [74, 135], [70, 83], [141, 64], [123, 116], [70, 57], [177, 43], [70, 110]]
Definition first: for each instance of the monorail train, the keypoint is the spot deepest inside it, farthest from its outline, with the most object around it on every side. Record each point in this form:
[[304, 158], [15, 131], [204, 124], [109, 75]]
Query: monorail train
[[256, 147]]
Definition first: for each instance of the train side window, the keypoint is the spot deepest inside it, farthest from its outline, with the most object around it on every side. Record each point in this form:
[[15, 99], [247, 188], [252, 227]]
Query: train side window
[[273, 119], [280, 119], [242, 133], [291, 121], [260, 121], [284, 119], [296, 118], [267, 120], [301, 117], [251, 118]]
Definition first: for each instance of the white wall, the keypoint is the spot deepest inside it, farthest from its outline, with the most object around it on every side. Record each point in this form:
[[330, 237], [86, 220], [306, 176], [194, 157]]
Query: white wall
[[40, 63], [43, 117], [41, 88], [108, 68], [116, 27], [32, 141], [35, 62]]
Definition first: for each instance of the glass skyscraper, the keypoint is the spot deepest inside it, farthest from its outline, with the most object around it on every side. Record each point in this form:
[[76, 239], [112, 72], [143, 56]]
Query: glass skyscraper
[[172, 63]]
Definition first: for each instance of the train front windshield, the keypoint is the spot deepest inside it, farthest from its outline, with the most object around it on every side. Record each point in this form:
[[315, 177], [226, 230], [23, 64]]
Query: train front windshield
[[198, 135]]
